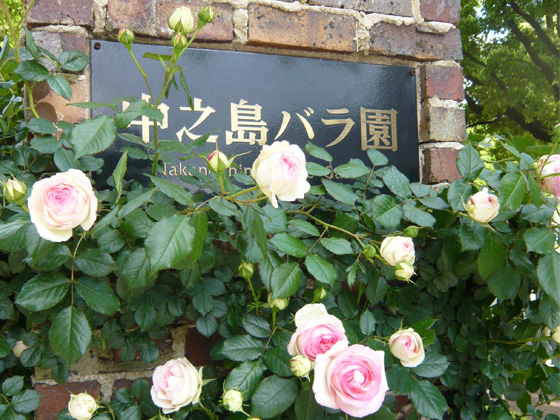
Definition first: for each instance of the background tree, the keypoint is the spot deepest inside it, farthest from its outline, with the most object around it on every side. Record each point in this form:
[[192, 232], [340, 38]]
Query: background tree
[[511, 66]]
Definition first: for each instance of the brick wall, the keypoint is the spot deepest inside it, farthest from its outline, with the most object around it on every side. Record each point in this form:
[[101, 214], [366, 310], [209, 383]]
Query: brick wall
[[417, 33]]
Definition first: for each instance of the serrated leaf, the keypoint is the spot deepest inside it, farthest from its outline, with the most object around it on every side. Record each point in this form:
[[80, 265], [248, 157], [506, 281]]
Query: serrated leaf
[[367, 323], [314, 169], [539, 239], [245, 378], [26, 401], [175, 191], [304, 226], [70, 334], [318, 152], [73, 61], [434, 365], [98, 295], [95, 262], [285, 280], [306, 406], [64, 159], [548, 273], [277, 360], [135, 110], [257, 326], [400, 379], [549, 311], [31, 71], [354, 169], [169, 242], [396, 182], [376, 157], [417, 216], [513, 187], [43, 291], [12, 385], [427, 400], [492, 256], [340, 192], [337, 246], [289, 245], [458, 193], [118, 174], [41, 126], [242, 348], [385, 210], [223, 207], [60, 86], [273, 396], [320, 269], [469, 163], [207, 325], [93, 136]]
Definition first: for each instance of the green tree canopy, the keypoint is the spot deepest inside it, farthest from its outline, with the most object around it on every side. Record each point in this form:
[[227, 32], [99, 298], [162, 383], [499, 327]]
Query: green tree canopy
[[511, 66]]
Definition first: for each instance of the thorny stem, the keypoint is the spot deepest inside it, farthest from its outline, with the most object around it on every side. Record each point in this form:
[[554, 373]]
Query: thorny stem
[[237, 194]]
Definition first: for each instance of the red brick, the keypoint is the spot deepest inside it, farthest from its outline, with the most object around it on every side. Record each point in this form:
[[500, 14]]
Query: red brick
[[407, 41], [52, 107], [197, 347], [220, 30], [440, 166], [444, 82], [441, 10], [125, 13], [388, 7], [61, 12], [56, 397], [58, 42], [304, 29]]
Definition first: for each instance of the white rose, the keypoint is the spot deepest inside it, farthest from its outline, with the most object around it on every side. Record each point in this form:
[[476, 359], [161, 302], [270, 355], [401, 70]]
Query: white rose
[[82, 406], [483, 206], [397, 249], [407, 346], [181, 20], [280, 172], [176, 384], [60, 203]]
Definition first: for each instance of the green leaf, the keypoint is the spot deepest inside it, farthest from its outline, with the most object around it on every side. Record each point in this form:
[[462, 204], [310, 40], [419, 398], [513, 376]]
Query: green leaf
[[12, 385], [354, 169], [203, 302], [472, 237], [458, 193], [492, 256], [396, 182], [469, 163], [314, 169], [306, 406], [273, 396], [134, 203], [347, 304], [513, 187], [45, 144], [289, 245], [149, 351], [376, 157], [256, 326], [245, 378], [174, 191], [95, 262], [26, 401], [73, 61], [169, 242], [98, 295], [31, 71], [505, 283], [145, 315], [376, 289], [437, 203], [285, 280], [539, 239], [427, 400], [223, 207], [64, 159], [207, 325], [277, 359], [548, 273], [367, 323], [340, 192], [242, 348], [433, 366], [43, 291], [537, 215], [93, 136], [417, 216], [70, 334], [400, 380], [385, 210], [9, 229], [41, 126], [118, 174], [200, 222], [337, 246], [549, 311], [318, 152], [135, 110], [60, 86], [320, 269], [305, 227]]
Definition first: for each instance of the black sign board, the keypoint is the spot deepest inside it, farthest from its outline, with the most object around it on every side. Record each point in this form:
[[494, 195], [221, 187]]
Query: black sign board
[[256, 99]]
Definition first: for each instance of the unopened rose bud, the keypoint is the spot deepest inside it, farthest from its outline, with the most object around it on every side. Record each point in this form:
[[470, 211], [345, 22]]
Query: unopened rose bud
[[370, 252], [280, 303], [404, 271], [19, 348], [218, 162], [14, 192], [556, 335], [300, 365], [206, 15], [411, 231], [82, 406], [320, 293], [179, 41], [483, 206], [181, 20], [126, 37], [246, 270], [407, 346], [233, 400]]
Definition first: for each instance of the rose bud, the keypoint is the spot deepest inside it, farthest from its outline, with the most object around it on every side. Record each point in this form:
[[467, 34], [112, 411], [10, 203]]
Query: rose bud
[[483, 206], [246, 270], [300, 365], [181, 20], [404, 271], [546, 168], [19, 348], [411, 231], [397, 249], [556, 335], [320, 293], [407, 346], [206, 15], [179, 41], [279, 303], [126, 37], [82, 406], [14, 191], [218, 162], [233, 400], [370, 252]]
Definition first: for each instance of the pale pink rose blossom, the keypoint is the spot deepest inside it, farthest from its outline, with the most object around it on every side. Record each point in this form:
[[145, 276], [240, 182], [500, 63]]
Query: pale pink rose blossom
[[483, 206], [60, 203], [397, 249], [280, 172], [176, 384], [82, 406], [407, 346], [546, 167], [351, 379], [316, 332]]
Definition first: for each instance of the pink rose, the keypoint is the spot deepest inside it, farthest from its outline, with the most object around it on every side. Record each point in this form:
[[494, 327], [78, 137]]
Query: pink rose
[[280, 172], [483, 206], [60, 203], [407, 346], [351, 379], [546, 167], [316, 332], [176, 384], [397, 249]]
